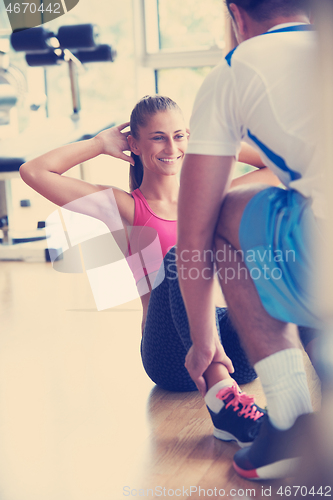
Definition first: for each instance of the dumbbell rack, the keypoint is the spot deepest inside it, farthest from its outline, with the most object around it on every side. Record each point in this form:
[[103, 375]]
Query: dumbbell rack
[[74, 45]]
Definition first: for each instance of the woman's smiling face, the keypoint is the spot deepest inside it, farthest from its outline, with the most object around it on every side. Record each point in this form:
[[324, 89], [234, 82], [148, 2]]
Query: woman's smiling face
[[163, 142]]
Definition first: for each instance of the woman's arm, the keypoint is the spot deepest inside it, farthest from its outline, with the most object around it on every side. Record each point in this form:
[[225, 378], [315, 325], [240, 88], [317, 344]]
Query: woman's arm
[[263, 175], [44, 174], [250, 156]]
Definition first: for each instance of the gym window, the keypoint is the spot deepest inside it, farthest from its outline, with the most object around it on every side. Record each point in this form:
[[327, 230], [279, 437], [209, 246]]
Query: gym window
[[183, 42]]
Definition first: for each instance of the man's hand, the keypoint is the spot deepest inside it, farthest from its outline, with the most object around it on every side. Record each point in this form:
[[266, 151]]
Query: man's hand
[[199, 358], [114, 142]]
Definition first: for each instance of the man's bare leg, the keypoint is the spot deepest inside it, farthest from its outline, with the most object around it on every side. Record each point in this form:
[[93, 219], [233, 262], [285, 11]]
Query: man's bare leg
[[272, 346]]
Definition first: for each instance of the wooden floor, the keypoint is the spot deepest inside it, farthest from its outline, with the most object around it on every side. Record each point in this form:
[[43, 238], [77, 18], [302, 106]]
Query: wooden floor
[[80, 419]]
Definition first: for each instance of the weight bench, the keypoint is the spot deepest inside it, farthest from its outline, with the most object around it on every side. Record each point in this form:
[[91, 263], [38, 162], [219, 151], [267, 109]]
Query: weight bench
[[9, 168]]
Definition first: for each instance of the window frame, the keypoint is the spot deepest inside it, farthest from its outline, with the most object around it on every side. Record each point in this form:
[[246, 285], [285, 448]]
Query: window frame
[[156, 58]]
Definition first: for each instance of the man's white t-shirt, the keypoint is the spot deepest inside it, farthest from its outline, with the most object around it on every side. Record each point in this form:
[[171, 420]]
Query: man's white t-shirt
[[264, 94]]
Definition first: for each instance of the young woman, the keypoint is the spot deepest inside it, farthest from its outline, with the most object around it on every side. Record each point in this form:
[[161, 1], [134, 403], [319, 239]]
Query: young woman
[[157, 141]]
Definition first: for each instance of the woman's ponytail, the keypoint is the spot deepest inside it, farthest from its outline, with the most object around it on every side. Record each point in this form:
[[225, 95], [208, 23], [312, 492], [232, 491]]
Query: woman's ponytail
[[135, 173]]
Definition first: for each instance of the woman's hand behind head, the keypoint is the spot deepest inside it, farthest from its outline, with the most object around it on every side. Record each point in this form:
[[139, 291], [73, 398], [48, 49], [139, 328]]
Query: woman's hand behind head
[[114, 142]]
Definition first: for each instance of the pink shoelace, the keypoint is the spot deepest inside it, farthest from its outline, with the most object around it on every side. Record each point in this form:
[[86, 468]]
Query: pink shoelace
[[232, 396]]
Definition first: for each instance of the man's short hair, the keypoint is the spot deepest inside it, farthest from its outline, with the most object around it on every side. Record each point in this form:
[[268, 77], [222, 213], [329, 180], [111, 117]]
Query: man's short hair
[[263, 10]]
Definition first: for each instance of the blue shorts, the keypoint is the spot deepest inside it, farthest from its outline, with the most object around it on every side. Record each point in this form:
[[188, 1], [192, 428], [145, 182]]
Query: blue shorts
[[277, 235]]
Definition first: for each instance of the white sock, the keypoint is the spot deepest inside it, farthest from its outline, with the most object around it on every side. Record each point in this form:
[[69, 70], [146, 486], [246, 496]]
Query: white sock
[[285, 386], [211, 400]]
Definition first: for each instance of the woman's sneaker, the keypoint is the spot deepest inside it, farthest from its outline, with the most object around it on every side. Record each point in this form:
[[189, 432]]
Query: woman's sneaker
[[239, 419], [275, 453]]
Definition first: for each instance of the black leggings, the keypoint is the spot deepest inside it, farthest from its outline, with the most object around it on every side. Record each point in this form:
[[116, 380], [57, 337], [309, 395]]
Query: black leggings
[[166, 336]]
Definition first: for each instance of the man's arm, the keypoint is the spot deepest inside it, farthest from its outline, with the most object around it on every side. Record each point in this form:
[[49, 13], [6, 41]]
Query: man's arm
[[204, 183]]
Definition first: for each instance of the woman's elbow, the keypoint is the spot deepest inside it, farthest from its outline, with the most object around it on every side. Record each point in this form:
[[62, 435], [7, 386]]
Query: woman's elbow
[[27, 173]]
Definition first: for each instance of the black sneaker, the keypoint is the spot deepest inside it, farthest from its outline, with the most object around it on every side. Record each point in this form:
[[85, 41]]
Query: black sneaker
[[239, 419], [275, 453]]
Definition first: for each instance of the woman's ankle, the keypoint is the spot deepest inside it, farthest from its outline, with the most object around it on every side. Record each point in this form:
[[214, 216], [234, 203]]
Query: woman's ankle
[[215, 373]]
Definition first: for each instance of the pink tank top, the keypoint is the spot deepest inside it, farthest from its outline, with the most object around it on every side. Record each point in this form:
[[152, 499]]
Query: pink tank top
[[144, 216], [151, 238]]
